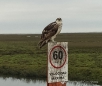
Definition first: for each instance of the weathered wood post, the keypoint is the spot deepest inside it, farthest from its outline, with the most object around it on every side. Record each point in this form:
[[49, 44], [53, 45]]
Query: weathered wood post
[[57, 74]]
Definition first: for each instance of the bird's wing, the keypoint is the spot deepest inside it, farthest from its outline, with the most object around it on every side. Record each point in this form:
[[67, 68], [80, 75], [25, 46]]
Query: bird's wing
[[49, 31]]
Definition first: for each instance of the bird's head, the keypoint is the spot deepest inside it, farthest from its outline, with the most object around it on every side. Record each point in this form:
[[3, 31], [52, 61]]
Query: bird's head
[[58, 20]]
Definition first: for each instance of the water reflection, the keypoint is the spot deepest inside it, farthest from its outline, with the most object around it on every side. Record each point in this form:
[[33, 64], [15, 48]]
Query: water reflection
[[81, 83], [9, 81]]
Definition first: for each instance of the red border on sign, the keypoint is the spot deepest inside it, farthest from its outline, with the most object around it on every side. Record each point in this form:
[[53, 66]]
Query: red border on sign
[[65, 56]]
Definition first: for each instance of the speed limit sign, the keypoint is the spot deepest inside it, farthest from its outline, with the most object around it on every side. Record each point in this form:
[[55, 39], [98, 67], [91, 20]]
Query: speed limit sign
[[58, 56], [57, 62]]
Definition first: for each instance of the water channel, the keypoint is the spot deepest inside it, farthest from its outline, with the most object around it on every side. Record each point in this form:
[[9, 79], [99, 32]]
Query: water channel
[[9, 81]]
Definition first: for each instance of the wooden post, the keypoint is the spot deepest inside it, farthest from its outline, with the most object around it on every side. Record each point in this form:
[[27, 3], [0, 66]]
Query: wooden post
[[57, 69]]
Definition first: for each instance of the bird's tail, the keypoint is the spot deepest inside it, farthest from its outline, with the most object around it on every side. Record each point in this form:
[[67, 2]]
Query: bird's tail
[[42, 43]]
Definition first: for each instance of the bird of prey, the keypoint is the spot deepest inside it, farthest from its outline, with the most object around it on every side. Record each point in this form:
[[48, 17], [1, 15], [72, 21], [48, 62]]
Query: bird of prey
[[50, 31]]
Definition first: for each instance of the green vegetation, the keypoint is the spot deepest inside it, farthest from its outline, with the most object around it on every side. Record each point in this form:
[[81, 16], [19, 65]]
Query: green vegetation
[[20, 56]]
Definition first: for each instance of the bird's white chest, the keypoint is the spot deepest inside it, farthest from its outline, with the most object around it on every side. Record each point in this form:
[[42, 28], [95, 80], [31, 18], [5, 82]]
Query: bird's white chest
[[59, 29]]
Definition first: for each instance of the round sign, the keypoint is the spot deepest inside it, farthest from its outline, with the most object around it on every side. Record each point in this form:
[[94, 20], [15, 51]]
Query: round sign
[[57, 56]]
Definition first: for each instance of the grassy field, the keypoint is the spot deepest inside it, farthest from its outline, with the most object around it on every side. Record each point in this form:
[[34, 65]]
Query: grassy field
[[20, 56]]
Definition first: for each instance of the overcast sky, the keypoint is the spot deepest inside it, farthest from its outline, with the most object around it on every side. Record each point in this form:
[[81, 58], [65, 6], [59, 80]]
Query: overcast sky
[[31, 16]]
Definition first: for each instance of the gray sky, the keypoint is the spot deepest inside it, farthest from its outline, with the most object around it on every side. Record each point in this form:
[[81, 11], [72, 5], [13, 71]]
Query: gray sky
[[31, 16]]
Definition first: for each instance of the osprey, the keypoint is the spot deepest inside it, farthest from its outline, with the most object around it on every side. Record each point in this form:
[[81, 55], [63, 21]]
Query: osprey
[[50, 31]]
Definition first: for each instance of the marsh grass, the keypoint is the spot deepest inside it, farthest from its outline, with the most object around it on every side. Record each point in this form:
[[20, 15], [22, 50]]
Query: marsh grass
[[20, 55]]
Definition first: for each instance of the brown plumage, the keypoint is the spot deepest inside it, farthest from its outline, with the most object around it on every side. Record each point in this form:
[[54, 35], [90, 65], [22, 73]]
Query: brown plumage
[[50, 32]]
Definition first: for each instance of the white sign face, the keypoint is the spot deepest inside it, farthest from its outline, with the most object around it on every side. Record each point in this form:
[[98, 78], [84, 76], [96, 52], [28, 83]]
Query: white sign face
[[57, 62]]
